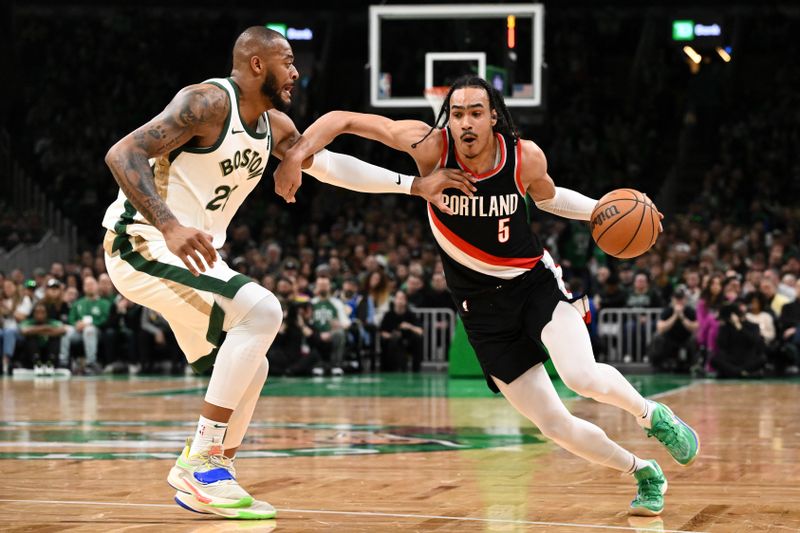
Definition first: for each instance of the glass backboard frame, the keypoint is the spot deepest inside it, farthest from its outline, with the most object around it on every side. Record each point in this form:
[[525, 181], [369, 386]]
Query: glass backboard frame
[[411, 12]]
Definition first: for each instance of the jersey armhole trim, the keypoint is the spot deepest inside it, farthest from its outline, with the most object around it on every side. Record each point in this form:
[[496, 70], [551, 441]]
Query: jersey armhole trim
[[445, 148], [208, 149], [269, 135], [248, 129], [518, 169]]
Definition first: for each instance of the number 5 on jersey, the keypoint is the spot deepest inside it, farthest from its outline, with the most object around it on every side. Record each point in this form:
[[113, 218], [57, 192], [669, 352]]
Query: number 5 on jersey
[[503, 231]]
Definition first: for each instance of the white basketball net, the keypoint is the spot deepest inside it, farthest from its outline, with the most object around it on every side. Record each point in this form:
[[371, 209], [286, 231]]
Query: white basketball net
[[435, 96]]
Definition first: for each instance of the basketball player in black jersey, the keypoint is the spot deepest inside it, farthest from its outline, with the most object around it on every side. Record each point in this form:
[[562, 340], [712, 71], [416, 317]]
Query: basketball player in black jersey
[[508, 290]]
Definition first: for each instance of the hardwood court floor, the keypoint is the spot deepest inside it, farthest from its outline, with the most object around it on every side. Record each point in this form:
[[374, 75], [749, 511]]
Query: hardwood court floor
[[389, 453]]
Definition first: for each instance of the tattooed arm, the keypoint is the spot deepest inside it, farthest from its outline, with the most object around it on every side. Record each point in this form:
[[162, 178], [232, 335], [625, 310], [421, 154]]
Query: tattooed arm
[[196, 112]]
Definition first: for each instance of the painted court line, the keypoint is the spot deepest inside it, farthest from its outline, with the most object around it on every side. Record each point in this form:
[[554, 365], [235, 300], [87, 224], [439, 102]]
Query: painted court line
[[676, 389], [367, 513]]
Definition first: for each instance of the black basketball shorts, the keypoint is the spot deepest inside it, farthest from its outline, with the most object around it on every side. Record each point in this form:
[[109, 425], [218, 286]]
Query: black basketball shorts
[[504, 323]]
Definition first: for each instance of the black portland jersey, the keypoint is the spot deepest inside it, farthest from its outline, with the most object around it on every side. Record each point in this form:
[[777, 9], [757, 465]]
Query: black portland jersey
[[489, 236]]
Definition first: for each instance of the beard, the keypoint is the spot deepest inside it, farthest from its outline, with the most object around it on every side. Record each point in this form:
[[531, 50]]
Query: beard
[[272, 91]]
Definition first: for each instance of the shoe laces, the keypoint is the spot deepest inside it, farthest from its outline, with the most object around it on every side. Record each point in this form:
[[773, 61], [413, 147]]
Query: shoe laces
[[649, 489], [215, 458], [665, 432]]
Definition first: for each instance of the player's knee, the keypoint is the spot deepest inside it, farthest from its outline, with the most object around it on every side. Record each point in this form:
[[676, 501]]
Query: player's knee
[[556, 428], [261, 373], [266, 316], [586, 383]]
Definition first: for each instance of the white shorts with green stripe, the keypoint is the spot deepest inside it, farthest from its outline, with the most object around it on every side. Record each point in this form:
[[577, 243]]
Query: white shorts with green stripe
[[199, 309]]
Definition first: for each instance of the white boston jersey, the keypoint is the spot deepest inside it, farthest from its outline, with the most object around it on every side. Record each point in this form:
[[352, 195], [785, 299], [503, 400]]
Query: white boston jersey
[[204, 187]]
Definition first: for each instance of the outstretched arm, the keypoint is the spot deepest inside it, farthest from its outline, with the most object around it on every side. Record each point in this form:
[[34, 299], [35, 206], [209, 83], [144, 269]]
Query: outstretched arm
[[194, 112], [402, 135], [351, 173]]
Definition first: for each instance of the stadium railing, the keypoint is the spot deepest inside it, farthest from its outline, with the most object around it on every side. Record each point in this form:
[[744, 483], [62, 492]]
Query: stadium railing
[[438, 325], [626, 333]]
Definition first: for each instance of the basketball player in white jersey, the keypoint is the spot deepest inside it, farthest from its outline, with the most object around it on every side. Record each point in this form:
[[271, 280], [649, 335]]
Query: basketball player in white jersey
[[508, 291], [182, 176]]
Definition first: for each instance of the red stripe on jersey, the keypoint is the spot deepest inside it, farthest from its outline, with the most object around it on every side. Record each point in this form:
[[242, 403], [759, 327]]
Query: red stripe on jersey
[[445, 147], [477, 253], [496, 169], [518, 170]]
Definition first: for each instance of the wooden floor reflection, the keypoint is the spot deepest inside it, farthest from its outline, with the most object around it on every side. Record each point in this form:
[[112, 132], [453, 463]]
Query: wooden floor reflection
[[93, 454]]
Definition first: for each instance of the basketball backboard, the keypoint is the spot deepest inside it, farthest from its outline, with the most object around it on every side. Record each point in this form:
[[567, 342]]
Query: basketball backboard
[[415, 47]]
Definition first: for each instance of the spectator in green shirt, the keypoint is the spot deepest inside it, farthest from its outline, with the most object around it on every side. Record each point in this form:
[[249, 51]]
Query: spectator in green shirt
[[329, 322], [105, 288], [42, 336], [88, 315]]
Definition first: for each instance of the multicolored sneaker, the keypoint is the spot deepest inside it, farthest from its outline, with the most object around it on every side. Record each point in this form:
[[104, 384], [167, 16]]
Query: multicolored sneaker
[[649, 500], [209, 477], [258, 510], [680, 440]]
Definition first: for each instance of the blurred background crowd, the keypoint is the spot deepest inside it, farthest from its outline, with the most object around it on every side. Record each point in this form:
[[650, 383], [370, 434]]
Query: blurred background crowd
[[712, 143]]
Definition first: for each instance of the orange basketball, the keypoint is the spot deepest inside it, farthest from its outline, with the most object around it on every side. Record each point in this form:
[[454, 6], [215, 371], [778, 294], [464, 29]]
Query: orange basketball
[[625, 223]]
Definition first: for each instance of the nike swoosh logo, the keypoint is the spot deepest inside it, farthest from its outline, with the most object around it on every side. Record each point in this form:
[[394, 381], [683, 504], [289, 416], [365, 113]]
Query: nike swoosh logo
[[398, 180], [218, 426], [235, 132]]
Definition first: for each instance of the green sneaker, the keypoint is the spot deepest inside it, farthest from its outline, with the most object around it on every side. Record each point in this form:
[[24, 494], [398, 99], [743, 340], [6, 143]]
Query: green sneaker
[[649, 500], [680, 440]]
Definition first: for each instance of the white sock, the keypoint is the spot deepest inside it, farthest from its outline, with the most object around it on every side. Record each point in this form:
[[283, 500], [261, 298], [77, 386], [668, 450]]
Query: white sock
[[637, 464], [645, 419], [208, 433]]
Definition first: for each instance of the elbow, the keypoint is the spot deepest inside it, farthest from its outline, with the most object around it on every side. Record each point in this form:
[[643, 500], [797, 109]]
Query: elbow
[[111, 156]]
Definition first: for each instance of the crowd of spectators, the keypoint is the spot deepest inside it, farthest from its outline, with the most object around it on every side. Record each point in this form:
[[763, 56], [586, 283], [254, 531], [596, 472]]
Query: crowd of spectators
[[18, 227], [335, 317], [347, 267], [728, 293]]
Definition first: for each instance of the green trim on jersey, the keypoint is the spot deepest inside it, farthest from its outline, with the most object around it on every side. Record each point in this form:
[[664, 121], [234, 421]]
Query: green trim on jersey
[[215, 324], [528, 206], [250, 132], [124, 219], [208, 149], [205, 362], [215, 335], [228, 289]]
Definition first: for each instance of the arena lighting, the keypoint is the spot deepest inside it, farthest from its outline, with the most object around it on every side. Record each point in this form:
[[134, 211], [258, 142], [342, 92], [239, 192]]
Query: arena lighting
[[693, 55], [687, 30], [726, 57], [299, 34], [707, 30], [682, 30], [511, 31], [276, 26]]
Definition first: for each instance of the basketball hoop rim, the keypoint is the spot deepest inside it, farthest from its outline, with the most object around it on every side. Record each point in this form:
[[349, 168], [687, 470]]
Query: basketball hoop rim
[[437, 90], [435, 96]]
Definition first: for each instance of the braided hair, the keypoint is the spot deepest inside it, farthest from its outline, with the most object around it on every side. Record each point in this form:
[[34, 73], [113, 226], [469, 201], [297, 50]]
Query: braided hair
[[504, 125]]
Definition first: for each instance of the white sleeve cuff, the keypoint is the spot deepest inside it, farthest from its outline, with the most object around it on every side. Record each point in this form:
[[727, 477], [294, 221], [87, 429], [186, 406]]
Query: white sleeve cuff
[[568, 204], [350, 173]]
